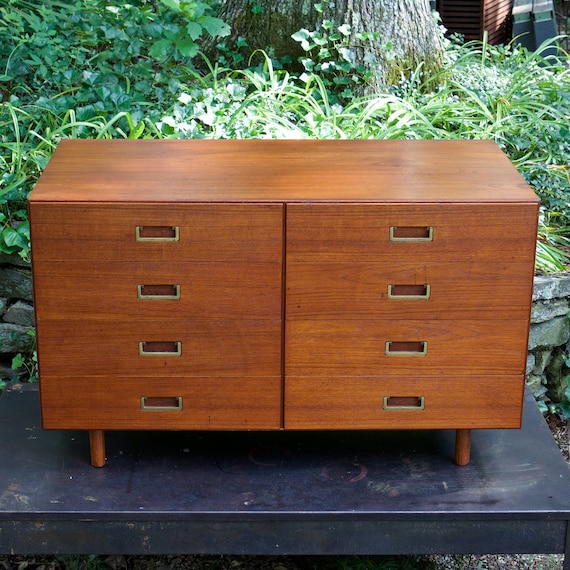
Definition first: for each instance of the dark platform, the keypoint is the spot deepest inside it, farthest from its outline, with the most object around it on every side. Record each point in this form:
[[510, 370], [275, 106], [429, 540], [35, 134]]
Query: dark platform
[[279, 493]]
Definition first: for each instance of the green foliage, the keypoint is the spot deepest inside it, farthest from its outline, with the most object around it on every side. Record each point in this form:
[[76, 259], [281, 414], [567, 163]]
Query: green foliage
[[273, 104], [90, 69], [561, 408], [331, 54], [522, 100], [82, 69], [184, 39], [97, 57], [27, 364], [552, 246], [27, 142]]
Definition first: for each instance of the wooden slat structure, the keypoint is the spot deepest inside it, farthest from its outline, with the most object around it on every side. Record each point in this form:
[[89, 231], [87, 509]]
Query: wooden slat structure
[[472, 18]]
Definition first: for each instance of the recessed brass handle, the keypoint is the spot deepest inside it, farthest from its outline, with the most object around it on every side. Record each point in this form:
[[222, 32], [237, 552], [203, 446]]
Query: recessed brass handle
[[158, 292], [163, 348], [409, 292], [406, 348], [400, 403], [161, 403], [411, 233], [157, 233]]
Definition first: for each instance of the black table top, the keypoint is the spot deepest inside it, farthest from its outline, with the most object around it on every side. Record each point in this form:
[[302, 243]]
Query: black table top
[[168, 476]]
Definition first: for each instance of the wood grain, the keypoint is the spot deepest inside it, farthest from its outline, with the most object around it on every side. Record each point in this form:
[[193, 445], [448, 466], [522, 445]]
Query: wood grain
[[281, 171], [114, 402], [109, 290], [357, 347], [212, 347], [106, 232], [458, 290], [490, 233], [97, 445], [283, 253], [452, 402]]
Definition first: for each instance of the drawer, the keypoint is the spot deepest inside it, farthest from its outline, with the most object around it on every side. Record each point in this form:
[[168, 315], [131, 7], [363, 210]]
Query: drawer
[[157, 290], [409, 290], [181, 232], [176, 348], [420, 232], [161, 403], [407, 402], [349, 348]]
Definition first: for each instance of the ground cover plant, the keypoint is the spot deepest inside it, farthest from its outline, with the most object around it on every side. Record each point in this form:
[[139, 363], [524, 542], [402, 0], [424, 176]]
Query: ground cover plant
[[92, 69]]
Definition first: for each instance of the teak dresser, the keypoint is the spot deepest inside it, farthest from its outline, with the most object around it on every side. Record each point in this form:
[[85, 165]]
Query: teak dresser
[[282, 285]]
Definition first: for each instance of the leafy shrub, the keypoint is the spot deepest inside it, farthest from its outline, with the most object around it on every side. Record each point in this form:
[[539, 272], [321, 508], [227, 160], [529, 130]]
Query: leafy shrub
[[91, 56], [521, 100], [90, 69], [81, 69], [331, 56], [184, 39]]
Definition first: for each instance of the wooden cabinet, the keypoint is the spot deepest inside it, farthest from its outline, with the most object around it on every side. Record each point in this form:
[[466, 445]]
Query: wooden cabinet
[[268, 285]]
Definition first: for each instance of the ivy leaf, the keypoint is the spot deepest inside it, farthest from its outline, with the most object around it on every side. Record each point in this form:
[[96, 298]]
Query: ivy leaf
[[172, 4], [13, 241], [194, 30], [193, 10], [17, 361], [303, 36], [188, 48], [160, 49], [214, 26], [346, 54]]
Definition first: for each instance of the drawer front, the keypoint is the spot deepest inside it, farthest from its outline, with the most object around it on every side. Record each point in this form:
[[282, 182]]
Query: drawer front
[[361, 348], [180, 232], [207, 403], [409, 290], [420, 232], [177, 348], [406, 402], [164, 290]]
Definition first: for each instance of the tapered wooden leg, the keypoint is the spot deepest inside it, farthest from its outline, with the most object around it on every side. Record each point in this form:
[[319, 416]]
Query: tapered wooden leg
[[462, 446], [97, 445]]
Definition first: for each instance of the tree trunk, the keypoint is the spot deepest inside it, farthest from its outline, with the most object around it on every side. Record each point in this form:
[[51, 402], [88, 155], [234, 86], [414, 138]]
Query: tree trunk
[[405, 32]]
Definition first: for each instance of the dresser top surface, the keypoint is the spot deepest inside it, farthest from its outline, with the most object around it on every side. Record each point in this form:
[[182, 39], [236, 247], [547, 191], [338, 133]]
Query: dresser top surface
[[280, 171]]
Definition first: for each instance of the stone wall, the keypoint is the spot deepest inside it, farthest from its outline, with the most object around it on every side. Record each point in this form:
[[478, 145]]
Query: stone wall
[[16, 312], [549, 339]]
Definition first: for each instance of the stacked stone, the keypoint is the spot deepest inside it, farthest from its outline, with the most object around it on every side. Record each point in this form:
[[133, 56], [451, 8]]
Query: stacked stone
[[16, 312], [549, 347]]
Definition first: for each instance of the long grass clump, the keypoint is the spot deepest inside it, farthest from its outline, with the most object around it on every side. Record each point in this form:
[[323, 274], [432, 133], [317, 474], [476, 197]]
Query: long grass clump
[[517, 98]]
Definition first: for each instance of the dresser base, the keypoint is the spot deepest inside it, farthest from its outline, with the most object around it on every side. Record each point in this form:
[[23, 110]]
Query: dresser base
[[97, 445], [462, 446], [99, 457]]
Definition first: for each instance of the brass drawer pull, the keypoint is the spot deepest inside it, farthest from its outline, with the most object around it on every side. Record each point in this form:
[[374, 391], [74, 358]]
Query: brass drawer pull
[[399, 403], [409, 292], [406, 348], [157, 233], [158, 292], [160, 348], [411, 233], [161, 403]]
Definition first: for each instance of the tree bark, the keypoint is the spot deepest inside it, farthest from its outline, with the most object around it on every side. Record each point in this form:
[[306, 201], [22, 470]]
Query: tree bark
[[406, 33]]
